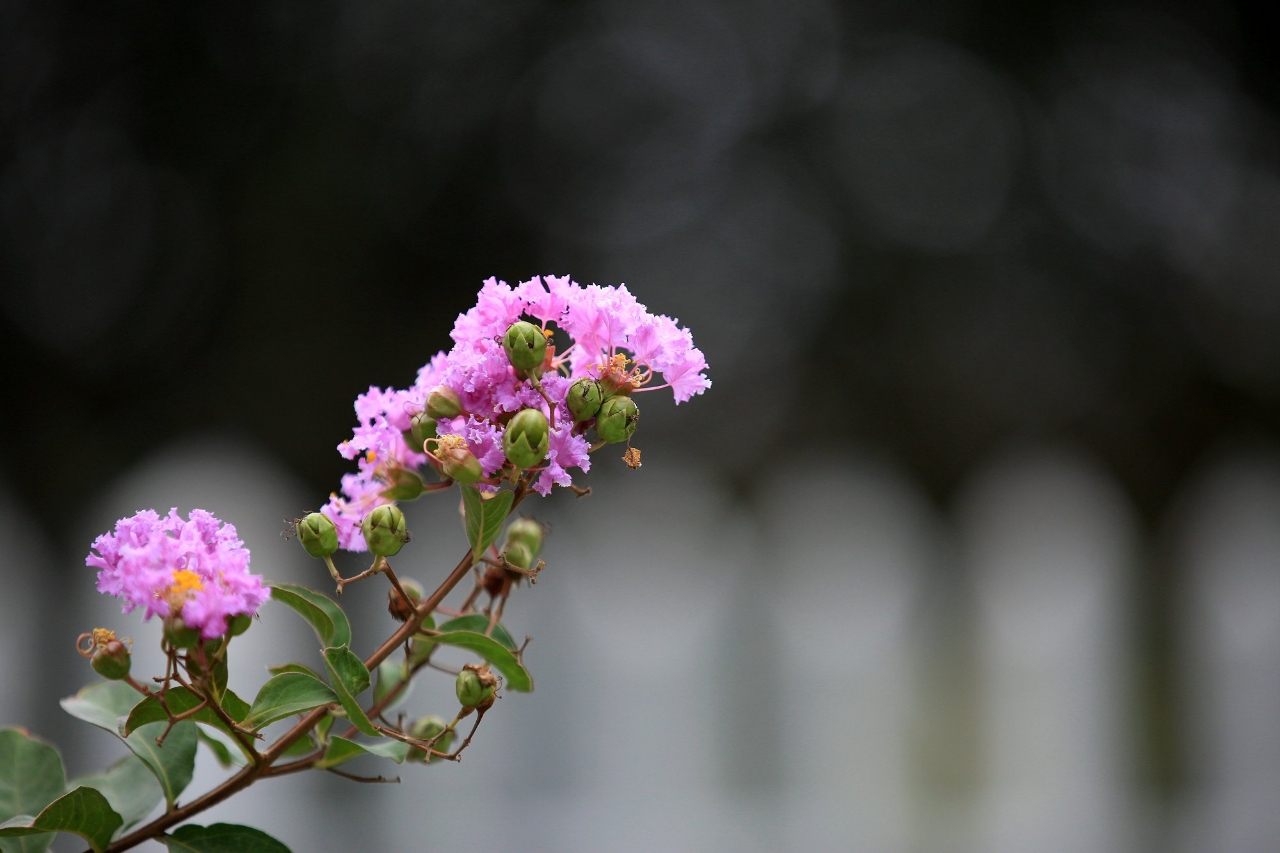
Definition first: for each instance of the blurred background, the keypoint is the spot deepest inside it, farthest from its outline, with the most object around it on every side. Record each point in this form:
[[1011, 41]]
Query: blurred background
[[973, 546]]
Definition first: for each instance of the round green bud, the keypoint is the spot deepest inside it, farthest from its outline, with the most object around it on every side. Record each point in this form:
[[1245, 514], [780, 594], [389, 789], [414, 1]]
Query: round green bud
[[518, 555], [421, 427], [443, 402], [527, 532], [400, 609], [527, 438], [584, 399], [179, 635], [237, 625], [111, 660], [458, 463], [426, 729], [617, 419], [526, 346], [318, 535], [475, 685], [384, 531]]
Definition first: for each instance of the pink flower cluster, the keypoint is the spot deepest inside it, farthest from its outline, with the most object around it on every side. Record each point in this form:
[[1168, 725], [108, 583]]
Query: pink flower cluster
[[608, 330], [198, 568]]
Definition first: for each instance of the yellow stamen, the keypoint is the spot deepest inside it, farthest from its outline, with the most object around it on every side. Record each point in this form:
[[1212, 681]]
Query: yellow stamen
[[450, 441], [102, 636], [185, 581], [370, 456]]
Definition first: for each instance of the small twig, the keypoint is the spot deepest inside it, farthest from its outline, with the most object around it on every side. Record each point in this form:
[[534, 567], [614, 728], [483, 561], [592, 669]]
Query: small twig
[[373, 780]]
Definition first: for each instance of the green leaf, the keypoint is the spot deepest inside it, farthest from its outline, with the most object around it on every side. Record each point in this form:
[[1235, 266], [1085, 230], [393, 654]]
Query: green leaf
[[504, 659], [285, 694], [129, 787], [484, 518], [105, 703], [31, 777], [181, 700], [84, 812], [300, 747], [294, 667], [173, 763], [349, 678], [342, 750], [323, 614], [322, 728], [479, 623], [222, 747], [221, 838], [391, 673]]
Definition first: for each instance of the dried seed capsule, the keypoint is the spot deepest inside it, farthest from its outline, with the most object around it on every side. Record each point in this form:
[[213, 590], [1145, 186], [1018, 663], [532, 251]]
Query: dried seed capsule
[[400, 609]]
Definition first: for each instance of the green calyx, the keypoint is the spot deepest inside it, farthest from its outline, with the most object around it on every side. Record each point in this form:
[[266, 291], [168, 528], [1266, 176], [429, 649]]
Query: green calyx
[[237, 625], [528, 534], [405, 486], [527, 438], [179, 635], [421, 427], [318, 535], [459, 463], [525, 345], [617, 419], [111, 660], [518, 555], [443, 402], [384, 531], [475, 685], [584, 399], [427, 728]]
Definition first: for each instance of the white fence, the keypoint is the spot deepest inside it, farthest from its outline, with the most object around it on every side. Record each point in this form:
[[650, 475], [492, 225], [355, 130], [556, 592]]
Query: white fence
[[836, 665]]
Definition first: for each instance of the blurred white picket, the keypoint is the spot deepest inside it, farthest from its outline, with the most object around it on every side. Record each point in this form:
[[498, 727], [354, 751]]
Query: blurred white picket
[[1048, 542], [1227, 537], [851, 546]]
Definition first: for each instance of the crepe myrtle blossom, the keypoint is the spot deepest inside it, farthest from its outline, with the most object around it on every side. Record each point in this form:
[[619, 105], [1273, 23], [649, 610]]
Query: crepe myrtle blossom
[[612, 338], [195, 568]]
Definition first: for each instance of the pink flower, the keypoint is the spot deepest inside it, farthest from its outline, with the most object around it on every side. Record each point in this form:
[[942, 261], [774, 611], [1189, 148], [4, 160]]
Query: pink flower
[[197, 567]]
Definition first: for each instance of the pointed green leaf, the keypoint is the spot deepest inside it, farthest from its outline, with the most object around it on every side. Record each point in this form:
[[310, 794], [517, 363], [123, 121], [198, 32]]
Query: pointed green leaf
[[349, 678], [103, 704], [300, 747], [484, 518], [517, 677], [174, 763], [285, 694], [222, 746], [479, 623], [129, 787], [180, 701], [221, 838], [390, 674], [84, 812], [342, 750], [31, 777], [323, 614], [294, 667]]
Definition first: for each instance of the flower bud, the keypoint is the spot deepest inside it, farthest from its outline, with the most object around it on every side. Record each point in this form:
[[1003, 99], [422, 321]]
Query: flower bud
[[402, 610], [526, 346], [427, 728], [518, 555], [456, 461], [421, 427], [179, 635], [584, 399], [111, 660], [527, 438], [527, 532], [443, 402], [405, 486], [237, 625], [475, 686], [617, 419], [384, 531], [318, 535]]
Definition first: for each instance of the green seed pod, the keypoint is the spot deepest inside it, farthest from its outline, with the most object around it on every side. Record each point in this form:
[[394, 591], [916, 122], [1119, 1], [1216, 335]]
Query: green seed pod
[[518, 554], [318, 535], [475, 685], [421, 427], [617, 419], [443, 402], [425, 729], [526, 346], [527, 438], [179, 635], [400, 609], [584, 399], [405, 486], [111, 660], [459, 463], [527, 532], [384, 531], [237, 625]]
